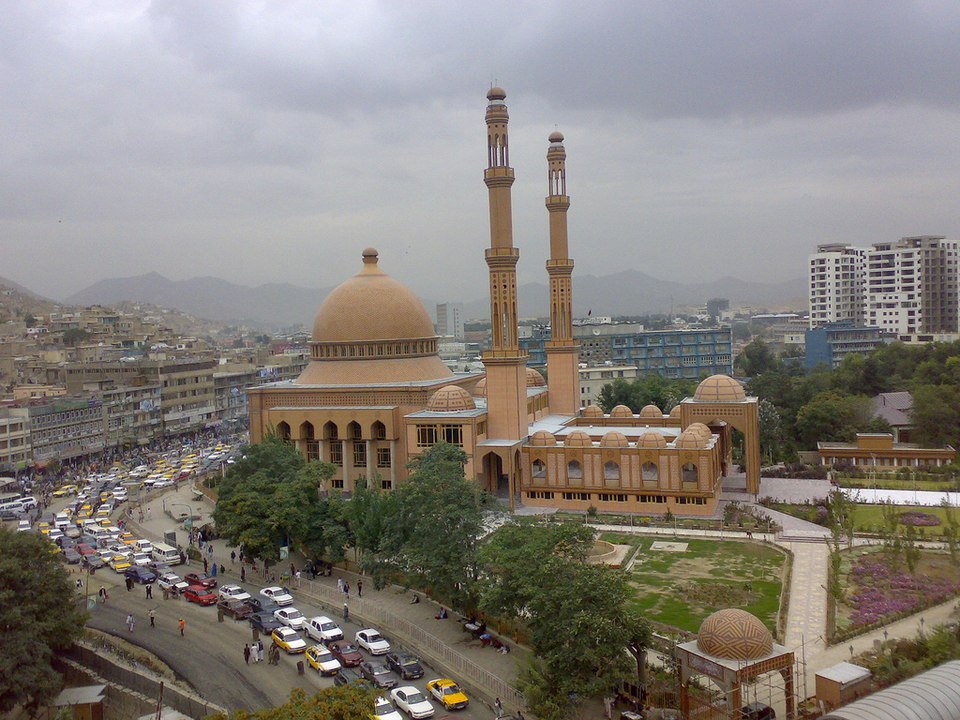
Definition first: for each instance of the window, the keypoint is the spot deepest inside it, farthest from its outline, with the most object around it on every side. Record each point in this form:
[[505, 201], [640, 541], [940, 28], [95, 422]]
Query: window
[[611, 473], [452, 434], [690, 473], [426, 435], [653, 499], [574, 470], [359, 453], [576, 496], [539, 469], [379, 431], [650, 473], [612, 497], [336, 454], [313, 450], [383, 457], [540, 495], [691, 501], [386, 484]]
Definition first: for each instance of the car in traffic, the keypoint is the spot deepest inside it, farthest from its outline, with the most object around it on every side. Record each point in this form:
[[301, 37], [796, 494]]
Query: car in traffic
[[237, 609], [413, 702], [200, 595], [322, 660], [346, 652], [201, 579], [140, 575], [349, 676], [234, 591], [372, 641], [142, 559], [289, 639], [291, 617], [265, 622], [120, 563], [324, 629], [71, 556], [405, 665], [448, 694], [384, 710], [93, 561], [378, 674], [262, 605], [172, 582], [281, 596]]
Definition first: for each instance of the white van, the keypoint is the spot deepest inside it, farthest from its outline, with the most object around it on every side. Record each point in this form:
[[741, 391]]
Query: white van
[[166, 554], [144, 546], [12, 506], [28, 502]]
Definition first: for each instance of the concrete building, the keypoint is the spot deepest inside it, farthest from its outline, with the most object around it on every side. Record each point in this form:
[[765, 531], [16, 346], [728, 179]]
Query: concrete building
[[15, 450], [450, 320], [593, 378], [837, 288], [829, 344], [877, 452], [376, 393], [66, 428]]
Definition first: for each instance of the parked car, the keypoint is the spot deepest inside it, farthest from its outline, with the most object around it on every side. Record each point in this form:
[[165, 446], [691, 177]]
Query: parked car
[[140, 575], [448, 694], [262, 605], [322, 660], [413, 702], [172, 583], [201, 579], [291, 617], [94, 562], [405, 665], [324, 629], [379, 674], [200, 595], [383, 710], [281, 596], [265, 622], [237, 609], [349, 676], [234, 591], [71, 555], [373, 642], [346, 652], [288, 639]]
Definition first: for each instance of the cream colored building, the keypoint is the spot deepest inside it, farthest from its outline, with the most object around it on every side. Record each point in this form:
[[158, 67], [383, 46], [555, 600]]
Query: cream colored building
[[376, 394]]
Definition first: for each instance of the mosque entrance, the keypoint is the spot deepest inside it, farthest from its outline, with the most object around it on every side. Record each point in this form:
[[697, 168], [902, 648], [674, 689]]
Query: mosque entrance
[[495, 479]]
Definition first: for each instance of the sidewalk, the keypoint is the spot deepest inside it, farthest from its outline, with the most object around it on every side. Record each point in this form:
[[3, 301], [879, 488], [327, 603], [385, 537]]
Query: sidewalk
[[442, 643]]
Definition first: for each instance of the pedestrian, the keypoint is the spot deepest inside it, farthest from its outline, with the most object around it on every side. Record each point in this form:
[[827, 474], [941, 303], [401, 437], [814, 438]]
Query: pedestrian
[[243, 574], [246, 653], [346, 612], [233, 556], [149, 512], [259, 650], [498, 708], [205, 565], [360, 588], [241, 556], [149, 591], [339, 584], [182, 624], [608, 707], [210, 549], [129, 584], [222, 569], [346, 589], [152, 614], [130, 622], [214, 573]]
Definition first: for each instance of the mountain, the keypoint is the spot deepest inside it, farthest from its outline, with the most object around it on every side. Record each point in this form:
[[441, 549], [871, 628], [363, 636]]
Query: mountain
[[11, 285], [211, 298]]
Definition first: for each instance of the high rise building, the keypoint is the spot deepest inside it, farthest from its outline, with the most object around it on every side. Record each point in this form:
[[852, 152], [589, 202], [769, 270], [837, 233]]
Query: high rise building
[[450, 320], [837, 284]]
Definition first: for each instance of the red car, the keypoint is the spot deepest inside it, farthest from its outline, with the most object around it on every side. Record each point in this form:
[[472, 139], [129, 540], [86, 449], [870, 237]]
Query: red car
[[84, 549], [200, 595], [346, 652], [201, 579]]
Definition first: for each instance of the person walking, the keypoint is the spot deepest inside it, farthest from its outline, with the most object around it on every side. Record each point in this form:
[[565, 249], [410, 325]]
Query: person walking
[[259, 650], [246, 653], [340, 584], [346, 612], [498, 708], [152, 615], [346, 589], [243, 574], [359, 588], [130, 622], [233, 556], [182, 624], [149, 591], [205, 566]]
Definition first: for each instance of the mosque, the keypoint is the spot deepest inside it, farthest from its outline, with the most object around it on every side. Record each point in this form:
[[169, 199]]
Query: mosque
[[376, 394]]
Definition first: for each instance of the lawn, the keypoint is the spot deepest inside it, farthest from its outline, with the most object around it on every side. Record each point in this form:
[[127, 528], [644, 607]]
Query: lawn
[[868, 517], [682, 588]]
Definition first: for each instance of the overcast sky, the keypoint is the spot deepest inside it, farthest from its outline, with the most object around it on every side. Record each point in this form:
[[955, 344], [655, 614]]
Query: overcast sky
[[273, 141]]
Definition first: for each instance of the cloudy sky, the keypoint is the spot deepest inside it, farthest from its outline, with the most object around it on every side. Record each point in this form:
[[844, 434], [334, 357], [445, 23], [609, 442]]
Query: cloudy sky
[[273, 141]]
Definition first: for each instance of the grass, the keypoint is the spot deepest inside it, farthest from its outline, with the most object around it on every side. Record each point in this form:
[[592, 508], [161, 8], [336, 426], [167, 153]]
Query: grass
[[682, 589], [882, 483], [868, 517]]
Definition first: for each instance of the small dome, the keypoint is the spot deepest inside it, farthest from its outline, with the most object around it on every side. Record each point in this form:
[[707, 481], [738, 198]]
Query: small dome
[[535, 379], [480, 389], [614, 439], [651, 411], [496, 93], [621, 411], [556, 137], [719, 388], [701, 429], [689, 440], [652, 440], [592, 411], [675, 412], [734, 634], [578, 438], [451, 398], [542, 438]]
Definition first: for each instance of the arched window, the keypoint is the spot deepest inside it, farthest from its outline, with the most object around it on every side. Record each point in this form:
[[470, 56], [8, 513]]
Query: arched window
[[330, 431], [283, 431], [379, 431], [539, 469], [306, 431], [650, 474], [574, 470], [690, 473], [354, 431], [611, 471]]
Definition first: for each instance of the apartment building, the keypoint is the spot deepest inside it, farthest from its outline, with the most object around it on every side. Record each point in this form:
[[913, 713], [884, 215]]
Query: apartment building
[[837, 289], [14, 439], [450, 320], [592, 380]]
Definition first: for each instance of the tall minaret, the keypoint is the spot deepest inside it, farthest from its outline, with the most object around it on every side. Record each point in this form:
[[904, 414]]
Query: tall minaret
[[563, 352], [505, 362]]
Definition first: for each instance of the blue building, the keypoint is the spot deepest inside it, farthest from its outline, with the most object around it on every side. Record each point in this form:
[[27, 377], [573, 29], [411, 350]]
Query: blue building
[[830, 343]]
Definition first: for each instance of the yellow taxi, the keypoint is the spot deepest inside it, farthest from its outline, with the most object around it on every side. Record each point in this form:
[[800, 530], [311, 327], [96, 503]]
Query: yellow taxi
[[65, 491], [288, 639], [446, 692], [44, 528], [120, 563], [128, 538]]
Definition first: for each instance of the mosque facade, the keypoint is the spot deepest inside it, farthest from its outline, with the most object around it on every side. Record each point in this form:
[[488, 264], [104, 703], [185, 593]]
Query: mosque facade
[[376, 393]]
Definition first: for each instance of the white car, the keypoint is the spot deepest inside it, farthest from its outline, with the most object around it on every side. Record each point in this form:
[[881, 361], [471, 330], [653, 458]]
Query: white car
[[291, 617], [413, 702], [373, 642], [281, 596], [234, 591], [383, 710], [173, 582], [324, 629], [23, 526], [163, 482], [142, 559]]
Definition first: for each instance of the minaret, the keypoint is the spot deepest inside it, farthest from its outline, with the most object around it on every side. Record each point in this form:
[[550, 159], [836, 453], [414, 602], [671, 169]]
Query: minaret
[[505, 363], [563, 352]]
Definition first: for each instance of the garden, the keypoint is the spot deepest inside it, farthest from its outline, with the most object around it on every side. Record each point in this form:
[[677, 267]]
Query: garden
[[680, 589]]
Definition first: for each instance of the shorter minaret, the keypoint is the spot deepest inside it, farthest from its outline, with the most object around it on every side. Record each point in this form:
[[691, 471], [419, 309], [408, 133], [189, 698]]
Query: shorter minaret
[[563, 352]]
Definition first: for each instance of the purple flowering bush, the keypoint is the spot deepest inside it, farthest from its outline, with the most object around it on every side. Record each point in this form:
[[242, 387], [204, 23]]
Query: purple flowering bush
[[884, 589], [918, 518]]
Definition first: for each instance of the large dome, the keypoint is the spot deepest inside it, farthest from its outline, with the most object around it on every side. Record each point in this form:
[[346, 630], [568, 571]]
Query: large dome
[[734, 634], [371, 306], [719, 388]]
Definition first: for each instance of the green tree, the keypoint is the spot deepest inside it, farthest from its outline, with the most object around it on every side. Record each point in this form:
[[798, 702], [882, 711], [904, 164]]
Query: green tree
[[72, 336], [39, 616], [344, 702], [830, 416], [936, 414], [757, 358]]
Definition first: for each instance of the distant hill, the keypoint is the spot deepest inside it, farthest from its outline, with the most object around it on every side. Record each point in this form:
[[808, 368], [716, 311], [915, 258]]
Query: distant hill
[[10, 284], [625, 293]]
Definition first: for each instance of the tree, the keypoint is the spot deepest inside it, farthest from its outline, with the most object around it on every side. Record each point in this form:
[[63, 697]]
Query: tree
[[936, 414], [39, 616], [344, 702], [756, 358], [72, 336]]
